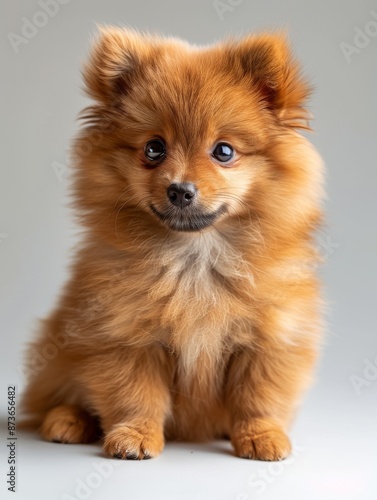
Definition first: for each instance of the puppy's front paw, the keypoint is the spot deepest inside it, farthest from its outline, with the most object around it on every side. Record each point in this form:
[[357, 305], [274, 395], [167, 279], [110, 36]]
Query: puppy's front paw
[[134, 440], [260, 439]]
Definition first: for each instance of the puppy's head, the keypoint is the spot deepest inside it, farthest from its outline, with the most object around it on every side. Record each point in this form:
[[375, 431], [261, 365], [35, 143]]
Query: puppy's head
[[181, 137]]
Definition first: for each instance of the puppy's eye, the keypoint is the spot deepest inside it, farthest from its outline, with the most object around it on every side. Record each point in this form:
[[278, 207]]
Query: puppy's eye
[[223, 152], [155, 150]]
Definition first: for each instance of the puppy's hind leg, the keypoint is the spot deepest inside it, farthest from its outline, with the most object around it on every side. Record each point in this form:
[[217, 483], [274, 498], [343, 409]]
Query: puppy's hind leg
[[69, 424]]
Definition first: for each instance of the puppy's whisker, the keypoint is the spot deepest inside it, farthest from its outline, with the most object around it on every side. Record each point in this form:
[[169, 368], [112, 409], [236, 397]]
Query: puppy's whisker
[[252, 213], [235, 197], [169, 232], [122, 208]]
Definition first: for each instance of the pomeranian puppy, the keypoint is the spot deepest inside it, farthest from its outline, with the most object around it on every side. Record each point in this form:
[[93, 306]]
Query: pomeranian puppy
[[193, 309]]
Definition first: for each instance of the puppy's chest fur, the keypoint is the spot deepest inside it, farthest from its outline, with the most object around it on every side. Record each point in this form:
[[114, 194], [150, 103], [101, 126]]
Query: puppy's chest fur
[[195, 292]]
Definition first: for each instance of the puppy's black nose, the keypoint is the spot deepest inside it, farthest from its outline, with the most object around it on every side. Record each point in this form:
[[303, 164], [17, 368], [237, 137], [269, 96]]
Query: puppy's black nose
[[182, 194]]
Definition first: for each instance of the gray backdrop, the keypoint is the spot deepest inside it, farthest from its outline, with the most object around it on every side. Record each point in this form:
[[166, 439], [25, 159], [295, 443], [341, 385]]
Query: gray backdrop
[[42, 47]]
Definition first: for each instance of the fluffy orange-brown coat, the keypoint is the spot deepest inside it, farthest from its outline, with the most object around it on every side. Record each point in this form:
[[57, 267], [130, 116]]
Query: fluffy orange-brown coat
[[187, 335]]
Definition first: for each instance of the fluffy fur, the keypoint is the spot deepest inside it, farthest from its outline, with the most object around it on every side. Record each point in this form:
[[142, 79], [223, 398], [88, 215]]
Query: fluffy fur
[[167, 334]]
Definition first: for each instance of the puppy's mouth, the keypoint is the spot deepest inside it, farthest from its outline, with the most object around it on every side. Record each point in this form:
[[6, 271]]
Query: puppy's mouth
[[188, 219]]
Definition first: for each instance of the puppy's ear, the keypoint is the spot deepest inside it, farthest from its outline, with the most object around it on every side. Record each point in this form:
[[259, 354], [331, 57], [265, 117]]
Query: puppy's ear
[[113, 63], [268, 62]]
